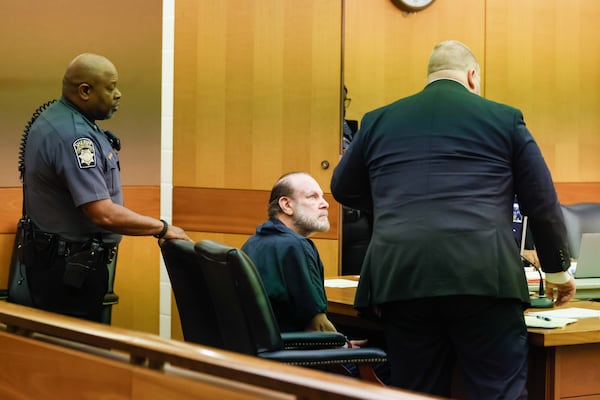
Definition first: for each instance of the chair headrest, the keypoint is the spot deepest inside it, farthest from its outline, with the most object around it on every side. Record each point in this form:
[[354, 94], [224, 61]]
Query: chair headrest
[[215, 250], [176, 246], [580, 218]]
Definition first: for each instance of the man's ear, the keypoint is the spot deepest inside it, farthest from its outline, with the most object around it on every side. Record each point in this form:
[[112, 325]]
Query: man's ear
[[84, 90], [472, 80], [285, 203]]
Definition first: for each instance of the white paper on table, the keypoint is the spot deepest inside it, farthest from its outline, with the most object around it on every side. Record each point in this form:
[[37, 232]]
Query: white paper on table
[[340, 283], [533, 321], [572, 312]]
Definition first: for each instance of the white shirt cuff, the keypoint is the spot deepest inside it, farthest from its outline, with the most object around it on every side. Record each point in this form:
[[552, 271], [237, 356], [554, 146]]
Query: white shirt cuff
[[558, 278]]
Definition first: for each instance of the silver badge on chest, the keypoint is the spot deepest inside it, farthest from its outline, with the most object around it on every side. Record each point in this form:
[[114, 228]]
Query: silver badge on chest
[[84, 149]]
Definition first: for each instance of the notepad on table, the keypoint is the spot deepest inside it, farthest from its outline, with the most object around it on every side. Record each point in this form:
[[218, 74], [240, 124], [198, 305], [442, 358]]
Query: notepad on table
[[570, 312]]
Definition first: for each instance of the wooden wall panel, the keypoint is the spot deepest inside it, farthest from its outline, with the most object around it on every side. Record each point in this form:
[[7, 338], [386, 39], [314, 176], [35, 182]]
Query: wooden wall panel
[[578, 192], [137, 284], [6, 245], [12, 206], [386, 51], [231, 210], [33, 369], [539, 56], [39, 39], [155, 385], [542, 57], [257, 91]]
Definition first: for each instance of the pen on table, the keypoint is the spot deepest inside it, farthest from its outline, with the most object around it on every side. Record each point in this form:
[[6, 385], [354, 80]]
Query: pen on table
[[542, 317]]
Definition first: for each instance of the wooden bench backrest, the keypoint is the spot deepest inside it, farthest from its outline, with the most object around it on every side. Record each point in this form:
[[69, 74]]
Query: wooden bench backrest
[[40, 369], [155, 355]]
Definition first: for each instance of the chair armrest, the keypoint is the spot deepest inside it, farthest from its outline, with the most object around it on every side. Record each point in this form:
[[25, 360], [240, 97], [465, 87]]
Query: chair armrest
[[327, 357], [312, 340], [365, 359]]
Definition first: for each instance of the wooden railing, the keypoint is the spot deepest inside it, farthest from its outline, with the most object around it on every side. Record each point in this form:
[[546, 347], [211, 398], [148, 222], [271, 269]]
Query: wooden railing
[[46, 355], [39, 368]]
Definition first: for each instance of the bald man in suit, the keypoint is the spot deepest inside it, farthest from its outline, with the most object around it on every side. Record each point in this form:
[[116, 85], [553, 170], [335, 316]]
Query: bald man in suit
[[440, 169]]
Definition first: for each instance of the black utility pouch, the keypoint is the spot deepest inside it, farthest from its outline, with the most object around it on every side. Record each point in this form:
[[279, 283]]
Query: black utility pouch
[[35, 249], [79, 265]]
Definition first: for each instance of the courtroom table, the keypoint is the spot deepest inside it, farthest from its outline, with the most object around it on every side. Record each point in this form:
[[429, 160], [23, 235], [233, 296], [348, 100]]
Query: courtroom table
[[563, 362]]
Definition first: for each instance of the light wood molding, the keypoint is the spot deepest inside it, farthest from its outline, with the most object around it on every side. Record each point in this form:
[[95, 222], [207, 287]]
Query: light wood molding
[[231, 210], [141, 199], [578, 192]]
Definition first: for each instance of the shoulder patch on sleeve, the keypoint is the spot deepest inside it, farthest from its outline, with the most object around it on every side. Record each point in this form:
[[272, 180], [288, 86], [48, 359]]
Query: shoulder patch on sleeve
[[85, 152]]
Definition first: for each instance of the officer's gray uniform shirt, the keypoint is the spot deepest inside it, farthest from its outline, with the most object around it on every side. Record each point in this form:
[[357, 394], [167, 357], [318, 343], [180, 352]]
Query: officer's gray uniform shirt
[[69, 162]]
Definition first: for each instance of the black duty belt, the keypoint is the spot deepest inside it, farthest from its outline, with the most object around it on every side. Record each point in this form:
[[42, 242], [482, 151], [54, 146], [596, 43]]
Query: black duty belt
[[66, 247]]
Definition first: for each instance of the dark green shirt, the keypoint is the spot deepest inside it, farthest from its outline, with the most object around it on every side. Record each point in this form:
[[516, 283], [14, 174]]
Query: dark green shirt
[[292, 273]]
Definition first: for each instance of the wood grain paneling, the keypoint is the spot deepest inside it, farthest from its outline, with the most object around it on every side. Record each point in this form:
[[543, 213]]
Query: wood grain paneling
[[12, 205], [137, 283], [41, 38], [386, 51], [35, 369], [6, 245], [142, 199], [539, 56], [578, 192], [257, 91], [231, 210], [542, 57], [577, 376], [149, 385]]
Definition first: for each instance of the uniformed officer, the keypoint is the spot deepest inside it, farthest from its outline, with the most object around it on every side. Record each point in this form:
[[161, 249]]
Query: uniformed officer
[[73, 194]]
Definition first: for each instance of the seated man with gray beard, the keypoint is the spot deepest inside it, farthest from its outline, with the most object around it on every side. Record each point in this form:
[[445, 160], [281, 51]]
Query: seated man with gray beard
[[287, 260]]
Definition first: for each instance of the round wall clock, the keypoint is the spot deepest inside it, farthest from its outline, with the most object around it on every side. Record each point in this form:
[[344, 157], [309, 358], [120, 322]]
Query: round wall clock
[[412, 5]]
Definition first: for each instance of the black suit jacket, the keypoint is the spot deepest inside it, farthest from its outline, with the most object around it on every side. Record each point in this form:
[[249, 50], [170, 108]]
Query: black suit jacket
[[440, 170]]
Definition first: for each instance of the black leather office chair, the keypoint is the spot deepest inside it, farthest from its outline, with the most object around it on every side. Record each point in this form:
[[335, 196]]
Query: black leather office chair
[[580, 218], [196, 311], [247, 323], [195, 305]]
